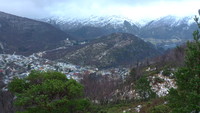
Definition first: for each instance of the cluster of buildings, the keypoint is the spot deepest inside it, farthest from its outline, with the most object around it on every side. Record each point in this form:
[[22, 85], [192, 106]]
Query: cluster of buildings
[[20, 66]]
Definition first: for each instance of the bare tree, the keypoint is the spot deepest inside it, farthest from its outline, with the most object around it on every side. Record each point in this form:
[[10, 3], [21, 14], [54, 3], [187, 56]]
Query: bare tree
[[99, 88]]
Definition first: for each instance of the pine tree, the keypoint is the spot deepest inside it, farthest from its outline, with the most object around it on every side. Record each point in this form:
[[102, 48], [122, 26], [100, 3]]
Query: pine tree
[[144, 90], [186, 98], [48, 92]]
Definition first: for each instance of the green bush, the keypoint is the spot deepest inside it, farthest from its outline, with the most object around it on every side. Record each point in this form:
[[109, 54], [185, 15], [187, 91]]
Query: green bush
[[166, 72], [143, 88], [48, 92]]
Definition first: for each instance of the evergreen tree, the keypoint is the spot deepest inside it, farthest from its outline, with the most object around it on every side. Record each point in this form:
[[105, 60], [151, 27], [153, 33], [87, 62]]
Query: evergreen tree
[[143, 88], [48, 92], [186, 98]]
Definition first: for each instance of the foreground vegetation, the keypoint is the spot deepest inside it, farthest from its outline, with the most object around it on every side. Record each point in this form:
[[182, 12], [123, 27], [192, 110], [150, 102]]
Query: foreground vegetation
[[48, 92]]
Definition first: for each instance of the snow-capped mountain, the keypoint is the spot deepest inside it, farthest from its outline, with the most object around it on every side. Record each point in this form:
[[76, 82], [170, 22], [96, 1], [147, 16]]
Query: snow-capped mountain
[[94, 21], [161, 31], [117, 21], [171, 21]]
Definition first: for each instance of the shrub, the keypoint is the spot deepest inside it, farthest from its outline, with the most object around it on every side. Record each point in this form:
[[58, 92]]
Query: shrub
[[48, 92]]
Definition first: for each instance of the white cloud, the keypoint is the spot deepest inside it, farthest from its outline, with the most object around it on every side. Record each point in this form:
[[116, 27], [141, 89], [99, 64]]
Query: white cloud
[[79, 8], [161, 9]]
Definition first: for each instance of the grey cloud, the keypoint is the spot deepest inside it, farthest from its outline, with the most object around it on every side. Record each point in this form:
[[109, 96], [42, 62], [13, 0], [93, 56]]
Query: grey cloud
[[44, 8]]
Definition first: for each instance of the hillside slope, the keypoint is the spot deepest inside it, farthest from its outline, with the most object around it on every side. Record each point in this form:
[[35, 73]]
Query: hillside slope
[[26, 36], [112, 50]]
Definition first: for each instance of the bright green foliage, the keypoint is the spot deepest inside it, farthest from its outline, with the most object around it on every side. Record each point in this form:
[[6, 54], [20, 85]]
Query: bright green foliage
[[48, 92], [186, 98], [143, 88]]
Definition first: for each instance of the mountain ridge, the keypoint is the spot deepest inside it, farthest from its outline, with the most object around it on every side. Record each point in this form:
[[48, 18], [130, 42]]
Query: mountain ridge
[[162, 30], [26, 36], [100, 21], [116, 49]]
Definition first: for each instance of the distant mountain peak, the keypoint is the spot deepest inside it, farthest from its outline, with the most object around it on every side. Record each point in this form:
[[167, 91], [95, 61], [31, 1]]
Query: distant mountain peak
[[168, 28], [115, 20], [96, 21], [173, 20]]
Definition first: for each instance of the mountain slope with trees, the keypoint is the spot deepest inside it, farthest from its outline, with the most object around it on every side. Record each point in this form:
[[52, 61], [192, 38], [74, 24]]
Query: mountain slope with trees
[[26, 36], [112, 50]]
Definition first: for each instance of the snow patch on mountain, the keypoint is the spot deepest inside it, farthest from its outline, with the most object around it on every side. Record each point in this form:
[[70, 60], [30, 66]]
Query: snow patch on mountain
[[96, 21], [171, 21], [118, 21]]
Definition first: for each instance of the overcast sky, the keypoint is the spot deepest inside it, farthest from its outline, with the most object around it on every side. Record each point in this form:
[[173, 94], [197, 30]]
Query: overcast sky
[[137, 9]]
